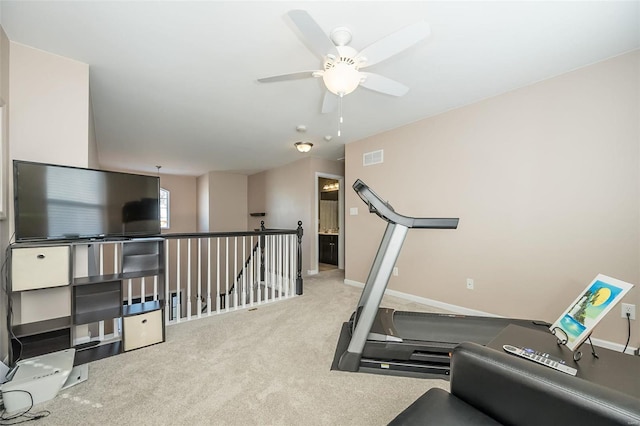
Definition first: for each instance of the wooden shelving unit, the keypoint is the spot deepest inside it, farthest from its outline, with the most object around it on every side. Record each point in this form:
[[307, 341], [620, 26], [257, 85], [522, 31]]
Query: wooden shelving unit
[[93, 298]]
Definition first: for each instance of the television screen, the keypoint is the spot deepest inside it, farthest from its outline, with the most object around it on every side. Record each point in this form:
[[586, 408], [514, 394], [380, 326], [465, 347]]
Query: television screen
[[61, 202]]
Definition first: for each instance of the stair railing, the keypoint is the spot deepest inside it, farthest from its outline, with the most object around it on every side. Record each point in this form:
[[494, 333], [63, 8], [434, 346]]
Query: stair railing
[[210, 273]]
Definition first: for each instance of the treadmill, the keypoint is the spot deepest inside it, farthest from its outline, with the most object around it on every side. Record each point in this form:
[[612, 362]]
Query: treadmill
[[382, 340]]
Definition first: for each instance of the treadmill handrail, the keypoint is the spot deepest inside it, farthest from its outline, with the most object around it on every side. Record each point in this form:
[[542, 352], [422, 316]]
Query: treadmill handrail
[[385, 211]]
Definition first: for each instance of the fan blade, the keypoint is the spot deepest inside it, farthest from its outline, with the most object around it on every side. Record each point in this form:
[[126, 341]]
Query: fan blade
[[382, 84], [329, 103], [317, 41], [285, 77], [393, 44]]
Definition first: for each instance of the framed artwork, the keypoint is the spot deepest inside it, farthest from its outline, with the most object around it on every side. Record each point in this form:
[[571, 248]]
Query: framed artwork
[[578, 321]]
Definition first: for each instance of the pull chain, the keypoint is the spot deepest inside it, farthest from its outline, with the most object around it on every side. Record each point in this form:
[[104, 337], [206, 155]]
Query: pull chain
[[340, 122]]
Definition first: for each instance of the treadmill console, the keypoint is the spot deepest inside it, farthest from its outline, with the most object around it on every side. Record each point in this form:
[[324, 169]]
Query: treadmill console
[[384, 210]]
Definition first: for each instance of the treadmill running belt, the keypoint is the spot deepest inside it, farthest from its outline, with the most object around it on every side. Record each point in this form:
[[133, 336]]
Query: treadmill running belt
[[453, 329]]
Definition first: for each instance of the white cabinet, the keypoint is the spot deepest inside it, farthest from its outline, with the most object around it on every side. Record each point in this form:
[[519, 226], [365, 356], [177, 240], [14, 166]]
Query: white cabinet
[[41, 305], [142, 330], [40, 267]]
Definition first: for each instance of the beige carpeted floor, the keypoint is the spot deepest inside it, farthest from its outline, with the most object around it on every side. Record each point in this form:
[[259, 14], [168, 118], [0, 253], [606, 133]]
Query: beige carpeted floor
[[269, 366]]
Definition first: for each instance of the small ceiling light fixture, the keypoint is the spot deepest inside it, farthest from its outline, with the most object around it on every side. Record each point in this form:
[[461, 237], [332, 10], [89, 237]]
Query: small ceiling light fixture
[[303, 146], [331, 186]]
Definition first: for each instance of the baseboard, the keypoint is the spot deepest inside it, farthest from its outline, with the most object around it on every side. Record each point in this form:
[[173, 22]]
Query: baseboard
[[617, 347], [466, 311], [312, 272], [429, 302]]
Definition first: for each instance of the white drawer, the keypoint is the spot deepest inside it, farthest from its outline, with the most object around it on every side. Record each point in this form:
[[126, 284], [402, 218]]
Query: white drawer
[[42, 305], [39, 267], [142, 330]]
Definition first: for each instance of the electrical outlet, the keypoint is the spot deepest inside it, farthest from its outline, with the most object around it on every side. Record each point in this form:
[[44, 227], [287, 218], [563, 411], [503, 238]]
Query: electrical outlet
[[469, 283], [628, 308], [395, 271]]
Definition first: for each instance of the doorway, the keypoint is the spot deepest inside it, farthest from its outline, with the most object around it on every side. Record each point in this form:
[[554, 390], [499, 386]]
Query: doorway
[[330, 219]]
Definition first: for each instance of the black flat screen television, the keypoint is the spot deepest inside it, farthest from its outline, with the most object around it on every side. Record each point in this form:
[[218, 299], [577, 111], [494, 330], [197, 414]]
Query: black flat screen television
[[54, 202]]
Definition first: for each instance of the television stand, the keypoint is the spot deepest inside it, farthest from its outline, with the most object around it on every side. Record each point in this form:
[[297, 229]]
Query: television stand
[[57, 293]]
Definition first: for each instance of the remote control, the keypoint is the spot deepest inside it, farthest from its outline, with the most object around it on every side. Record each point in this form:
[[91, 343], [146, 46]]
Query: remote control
[[541, 358]]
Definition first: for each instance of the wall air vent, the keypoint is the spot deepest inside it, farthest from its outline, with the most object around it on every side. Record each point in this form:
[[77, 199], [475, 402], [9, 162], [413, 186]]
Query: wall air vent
[[373, 157]]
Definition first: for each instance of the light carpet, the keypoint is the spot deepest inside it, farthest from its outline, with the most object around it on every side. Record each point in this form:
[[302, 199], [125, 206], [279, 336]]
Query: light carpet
[[268, 366]]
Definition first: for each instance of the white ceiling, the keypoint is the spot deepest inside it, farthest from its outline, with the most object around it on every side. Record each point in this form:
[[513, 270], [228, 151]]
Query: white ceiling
[[173, 83]]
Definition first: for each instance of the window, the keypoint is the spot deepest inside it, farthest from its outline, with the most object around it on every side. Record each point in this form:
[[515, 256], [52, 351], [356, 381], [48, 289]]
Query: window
[[164, 208]]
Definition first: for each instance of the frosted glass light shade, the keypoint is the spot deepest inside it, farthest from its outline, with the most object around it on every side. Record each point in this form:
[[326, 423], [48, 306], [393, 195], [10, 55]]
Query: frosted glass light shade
[[303, 146], [341, 79]]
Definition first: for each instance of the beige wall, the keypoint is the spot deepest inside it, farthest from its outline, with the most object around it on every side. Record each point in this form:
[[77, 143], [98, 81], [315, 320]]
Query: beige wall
[[182, 193], [227, 202], [287, 195], [256, 199], [49, 107], [545, 180], [48, 120]]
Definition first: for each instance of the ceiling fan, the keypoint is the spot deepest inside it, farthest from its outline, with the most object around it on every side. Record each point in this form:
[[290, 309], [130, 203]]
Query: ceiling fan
[[342, 64]]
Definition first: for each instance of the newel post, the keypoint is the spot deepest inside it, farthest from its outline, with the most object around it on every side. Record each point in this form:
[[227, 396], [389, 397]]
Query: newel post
[[299, 267], [262, 242]]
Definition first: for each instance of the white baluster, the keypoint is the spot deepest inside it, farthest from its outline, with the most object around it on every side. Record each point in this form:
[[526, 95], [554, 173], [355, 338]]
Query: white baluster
[[199, 293], [252, 270], [167, 291], [294, 251], [260, 274], [188, 278], [285, 271], [155, 287], [208, 276], [143, 291], [280, 265], [226, 297], [244, 271], [218, 276], [236, 290], [178, 294]]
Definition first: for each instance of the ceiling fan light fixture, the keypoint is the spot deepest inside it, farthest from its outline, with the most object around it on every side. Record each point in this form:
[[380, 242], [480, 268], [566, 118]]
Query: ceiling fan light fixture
[[342, 78], [303, 146]]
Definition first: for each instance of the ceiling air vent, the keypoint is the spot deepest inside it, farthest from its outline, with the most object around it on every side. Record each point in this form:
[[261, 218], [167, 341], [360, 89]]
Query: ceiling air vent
[[373, 157]]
